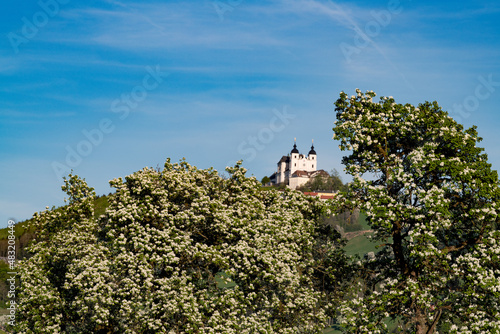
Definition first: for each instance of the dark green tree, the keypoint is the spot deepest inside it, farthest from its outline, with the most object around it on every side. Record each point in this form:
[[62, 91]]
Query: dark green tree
[[265, 180], [331, 182]]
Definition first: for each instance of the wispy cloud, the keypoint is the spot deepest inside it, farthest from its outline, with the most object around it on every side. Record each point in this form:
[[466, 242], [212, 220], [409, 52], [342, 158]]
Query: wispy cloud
[[161, 26], [348, 19], [226, 77]]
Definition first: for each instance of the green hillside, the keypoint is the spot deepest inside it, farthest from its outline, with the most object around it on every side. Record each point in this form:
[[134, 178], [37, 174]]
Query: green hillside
[[24, 233], [19, 229]]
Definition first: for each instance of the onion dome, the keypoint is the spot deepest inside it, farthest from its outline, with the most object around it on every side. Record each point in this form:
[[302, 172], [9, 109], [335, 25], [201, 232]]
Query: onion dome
[[294, 150], [312, 151]]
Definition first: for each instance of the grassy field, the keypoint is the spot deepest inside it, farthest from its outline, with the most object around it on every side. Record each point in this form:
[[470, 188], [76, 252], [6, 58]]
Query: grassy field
[[331, 331], [361, 244], [363, 222]]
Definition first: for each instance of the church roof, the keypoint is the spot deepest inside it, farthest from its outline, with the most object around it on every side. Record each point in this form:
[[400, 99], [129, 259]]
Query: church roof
[[284, 158], [312, 151], [300, 173], [294, 150], [303, 173]]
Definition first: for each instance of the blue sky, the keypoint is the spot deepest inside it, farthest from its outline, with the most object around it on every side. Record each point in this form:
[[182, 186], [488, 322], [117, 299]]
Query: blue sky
[[109, 87]]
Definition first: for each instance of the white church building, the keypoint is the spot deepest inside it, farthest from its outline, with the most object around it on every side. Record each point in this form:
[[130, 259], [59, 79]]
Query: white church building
[[296, 169]]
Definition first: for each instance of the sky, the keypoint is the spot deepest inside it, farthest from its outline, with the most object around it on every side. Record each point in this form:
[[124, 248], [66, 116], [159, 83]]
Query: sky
[[106, 88]]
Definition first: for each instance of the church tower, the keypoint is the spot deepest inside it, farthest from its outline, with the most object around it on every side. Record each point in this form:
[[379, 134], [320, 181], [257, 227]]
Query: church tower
[[312, 157], [295, 169], [294, 158]]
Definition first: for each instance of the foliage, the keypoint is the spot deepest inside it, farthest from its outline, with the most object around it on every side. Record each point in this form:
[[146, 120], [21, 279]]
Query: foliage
[[432, 199], [330, 183], [4, 288], [265, 180], [66, 241], [281, 186], [153, 263]]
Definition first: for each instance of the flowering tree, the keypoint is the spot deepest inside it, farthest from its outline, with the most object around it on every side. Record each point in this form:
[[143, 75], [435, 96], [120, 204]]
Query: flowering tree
[[181, 250], [433, 201]]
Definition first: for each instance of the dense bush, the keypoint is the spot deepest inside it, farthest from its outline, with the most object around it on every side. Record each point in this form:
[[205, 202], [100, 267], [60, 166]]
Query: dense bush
[[182, 250]]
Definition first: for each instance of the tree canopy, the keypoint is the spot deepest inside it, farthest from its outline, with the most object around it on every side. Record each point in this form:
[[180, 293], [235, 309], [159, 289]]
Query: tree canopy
[[432, 200], [181, 250], [265, 180]]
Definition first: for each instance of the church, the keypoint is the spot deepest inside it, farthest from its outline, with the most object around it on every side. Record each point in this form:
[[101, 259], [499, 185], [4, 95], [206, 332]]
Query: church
[[296, 169]]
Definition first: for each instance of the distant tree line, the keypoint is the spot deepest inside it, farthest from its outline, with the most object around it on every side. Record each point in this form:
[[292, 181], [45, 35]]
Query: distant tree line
[[331, 182]]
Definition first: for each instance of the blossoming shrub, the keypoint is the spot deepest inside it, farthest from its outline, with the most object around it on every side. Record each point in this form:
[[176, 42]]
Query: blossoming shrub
[[433, 201], [181, 250]]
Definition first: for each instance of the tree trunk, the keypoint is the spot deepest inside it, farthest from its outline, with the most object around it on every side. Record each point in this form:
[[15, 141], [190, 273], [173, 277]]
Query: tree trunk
[[421, 323], [397, 247]]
